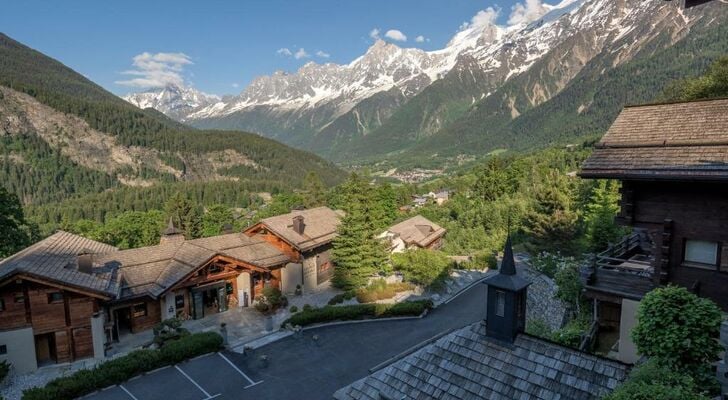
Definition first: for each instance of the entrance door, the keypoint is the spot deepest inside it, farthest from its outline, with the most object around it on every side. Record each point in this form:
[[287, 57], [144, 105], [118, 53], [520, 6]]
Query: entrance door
[[198, 305], [123, 322], [45, 349]]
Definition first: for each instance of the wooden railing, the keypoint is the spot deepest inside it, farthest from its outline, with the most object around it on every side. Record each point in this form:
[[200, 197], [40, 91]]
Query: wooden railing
[[587, 340]]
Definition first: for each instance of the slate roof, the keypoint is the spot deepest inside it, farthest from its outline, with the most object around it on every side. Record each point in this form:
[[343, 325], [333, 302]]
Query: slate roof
[[320, 227], [687, 140], [418, 230], [152, 270], [466, 364], [55, 259]]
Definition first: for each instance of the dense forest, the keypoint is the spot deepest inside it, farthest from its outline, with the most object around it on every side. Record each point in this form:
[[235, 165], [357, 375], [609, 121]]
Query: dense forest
[[45, 179]]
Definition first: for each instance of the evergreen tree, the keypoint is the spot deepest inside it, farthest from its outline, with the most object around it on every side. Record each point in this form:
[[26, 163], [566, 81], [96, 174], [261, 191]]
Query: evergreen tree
[[601, 229], [133, 229], [358, 254], [385, 206], [712, 84], [553, 223], [314, 191], [215, 218], [15, 232], [184, 213]]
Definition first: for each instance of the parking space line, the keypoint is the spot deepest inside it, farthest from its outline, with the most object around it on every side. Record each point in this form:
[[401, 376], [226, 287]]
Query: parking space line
[[128, 392], [207, 395], [252, 383]]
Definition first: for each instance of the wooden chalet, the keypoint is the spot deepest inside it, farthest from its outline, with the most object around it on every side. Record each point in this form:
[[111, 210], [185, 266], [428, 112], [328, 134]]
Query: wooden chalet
[[417, 232], [68, 297], [672, 161], [306, 237]]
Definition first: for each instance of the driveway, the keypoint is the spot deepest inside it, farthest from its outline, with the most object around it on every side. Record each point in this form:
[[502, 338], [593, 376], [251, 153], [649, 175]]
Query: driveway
[[300, 367]]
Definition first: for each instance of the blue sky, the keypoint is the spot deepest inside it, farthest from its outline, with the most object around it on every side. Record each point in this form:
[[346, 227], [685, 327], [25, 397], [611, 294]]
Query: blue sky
[[224, 44]]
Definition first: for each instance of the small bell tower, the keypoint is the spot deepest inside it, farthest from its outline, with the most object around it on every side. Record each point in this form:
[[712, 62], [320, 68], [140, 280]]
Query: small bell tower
[[507, 295], [171, 234]]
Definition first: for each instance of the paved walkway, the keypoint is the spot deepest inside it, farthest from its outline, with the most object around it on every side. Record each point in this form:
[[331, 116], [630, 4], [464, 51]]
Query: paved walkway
[[299, 367]]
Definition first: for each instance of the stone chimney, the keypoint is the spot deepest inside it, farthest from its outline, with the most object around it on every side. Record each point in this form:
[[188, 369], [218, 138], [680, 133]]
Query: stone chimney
[[298, 224], [507, 295], [171, 234], [85, 261]]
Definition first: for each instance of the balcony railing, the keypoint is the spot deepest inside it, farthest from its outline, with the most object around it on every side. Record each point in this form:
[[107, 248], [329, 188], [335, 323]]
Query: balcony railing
[[628, 255]]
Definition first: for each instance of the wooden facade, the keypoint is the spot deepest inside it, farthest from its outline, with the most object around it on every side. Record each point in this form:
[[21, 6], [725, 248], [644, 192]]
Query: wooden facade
[[60, 318], [675, 213]]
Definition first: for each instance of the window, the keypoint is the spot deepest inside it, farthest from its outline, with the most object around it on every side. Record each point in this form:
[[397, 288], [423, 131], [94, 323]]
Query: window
[[3, 349], [500, 303], [19, 298], [139, 310], [701, 252], [2, 304], [179, 301], [55, 297]]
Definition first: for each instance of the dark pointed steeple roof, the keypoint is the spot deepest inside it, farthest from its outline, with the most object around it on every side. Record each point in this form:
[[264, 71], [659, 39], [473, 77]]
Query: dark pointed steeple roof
[[507, 278], [171, 229]]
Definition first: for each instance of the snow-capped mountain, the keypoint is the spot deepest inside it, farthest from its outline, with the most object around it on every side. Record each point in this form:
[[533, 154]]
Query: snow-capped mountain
[[175, 101], [392, 97]]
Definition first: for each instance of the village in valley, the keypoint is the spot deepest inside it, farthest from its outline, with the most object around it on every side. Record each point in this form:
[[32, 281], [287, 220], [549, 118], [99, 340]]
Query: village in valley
[[587, 268]]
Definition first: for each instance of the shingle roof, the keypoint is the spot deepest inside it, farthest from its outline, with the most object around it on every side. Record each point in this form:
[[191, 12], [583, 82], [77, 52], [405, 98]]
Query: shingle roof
[[152, 270], [466, 364], [320, 227], [418, 230], [686, 140], [55, 259]]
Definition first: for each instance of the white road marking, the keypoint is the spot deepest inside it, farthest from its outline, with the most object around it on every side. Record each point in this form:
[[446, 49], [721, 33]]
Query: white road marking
[[207, 395], [240, 372], [128, 392]]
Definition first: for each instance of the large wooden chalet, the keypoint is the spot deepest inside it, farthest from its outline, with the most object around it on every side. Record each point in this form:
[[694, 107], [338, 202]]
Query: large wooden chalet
[[672, 161], [68, 297]]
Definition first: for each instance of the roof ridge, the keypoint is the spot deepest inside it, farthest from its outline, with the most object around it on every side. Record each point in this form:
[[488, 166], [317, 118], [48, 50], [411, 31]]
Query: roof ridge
[[672, 102]]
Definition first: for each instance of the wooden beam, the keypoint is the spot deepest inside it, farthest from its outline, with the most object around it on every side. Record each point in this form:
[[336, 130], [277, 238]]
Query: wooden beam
[[56, 285]]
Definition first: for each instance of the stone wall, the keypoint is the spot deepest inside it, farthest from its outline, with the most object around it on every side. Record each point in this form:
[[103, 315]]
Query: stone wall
[[542, 302]]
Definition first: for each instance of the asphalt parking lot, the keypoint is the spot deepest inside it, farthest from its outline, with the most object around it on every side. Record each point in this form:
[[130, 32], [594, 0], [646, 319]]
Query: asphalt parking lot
[[212, 376]]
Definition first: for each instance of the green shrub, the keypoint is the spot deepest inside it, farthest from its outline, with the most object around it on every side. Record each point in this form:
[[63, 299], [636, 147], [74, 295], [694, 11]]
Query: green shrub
[[4, 368], [422, 267], [538, 328], [307, 307], [571, 334], [270, 300], [680, 330], [338, 299], [293, 309], [124, 368], [167, 330], [358, 311], [652, 381], [381, 290]]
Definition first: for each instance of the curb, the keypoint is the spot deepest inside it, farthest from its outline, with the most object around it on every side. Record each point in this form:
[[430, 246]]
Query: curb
[[463, 290]]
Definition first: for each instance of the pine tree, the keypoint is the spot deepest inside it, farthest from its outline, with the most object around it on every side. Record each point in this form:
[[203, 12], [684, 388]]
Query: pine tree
[[184, 213], [15, 232], [314, 191], [214, 220], [601, 229], [358, 254], [553, 223]]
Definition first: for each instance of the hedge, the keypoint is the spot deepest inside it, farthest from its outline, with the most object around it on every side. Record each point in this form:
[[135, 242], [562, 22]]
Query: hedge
[[358, 311], [121, 369]]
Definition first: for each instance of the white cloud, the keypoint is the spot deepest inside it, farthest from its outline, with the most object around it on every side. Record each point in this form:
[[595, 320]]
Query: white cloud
[[157, 70], [397, 35], [301, 53], [421, 39], [374, 34], [526, 12], [323, 54], [235, 85], [484, 18], [284, 51]]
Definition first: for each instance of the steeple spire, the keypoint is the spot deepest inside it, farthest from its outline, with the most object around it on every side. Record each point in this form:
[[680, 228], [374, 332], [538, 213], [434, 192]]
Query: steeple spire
[[508, 265], [171, 229]]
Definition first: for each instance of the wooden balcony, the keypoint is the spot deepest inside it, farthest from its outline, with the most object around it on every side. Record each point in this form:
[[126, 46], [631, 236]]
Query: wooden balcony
[[624, 270]]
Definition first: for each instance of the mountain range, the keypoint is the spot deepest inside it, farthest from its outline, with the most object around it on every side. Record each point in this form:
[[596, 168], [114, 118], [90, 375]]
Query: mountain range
[[491, 88]]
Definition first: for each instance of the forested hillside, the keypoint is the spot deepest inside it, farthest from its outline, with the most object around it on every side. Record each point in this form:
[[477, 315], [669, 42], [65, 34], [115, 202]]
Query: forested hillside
[[62, 137]]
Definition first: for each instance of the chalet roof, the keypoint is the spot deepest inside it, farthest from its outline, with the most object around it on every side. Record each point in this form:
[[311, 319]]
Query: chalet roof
[[320, 227], [418, 230], [152, 270], [467, 364], [55, 259], [687, 140]]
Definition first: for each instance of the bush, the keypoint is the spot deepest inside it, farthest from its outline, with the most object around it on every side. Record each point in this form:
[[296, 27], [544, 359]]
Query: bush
[[551, 263], [422, 267], [167, 330], [270, 300], [293, 309], [124, 368], [380, 290], [538, 328], [338, 299], [4, 367], [571, 334], [307, 307], [357, 312], [652, 381], [679, 329]]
